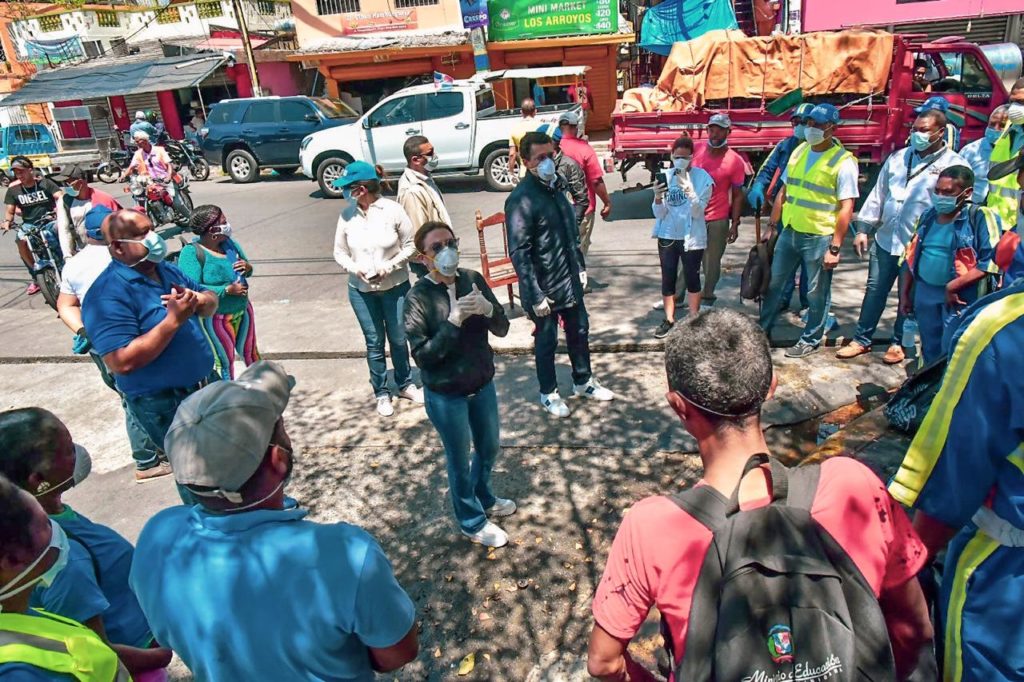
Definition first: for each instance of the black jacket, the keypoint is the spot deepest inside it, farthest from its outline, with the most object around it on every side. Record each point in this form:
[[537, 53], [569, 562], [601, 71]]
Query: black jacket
[[452, 360], [544, 243], [575, 183]]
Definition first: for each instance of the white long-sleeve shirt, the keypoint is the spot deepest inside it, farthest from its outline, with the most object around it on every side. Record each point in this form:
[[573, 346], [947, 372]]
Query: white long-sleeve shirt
[[979, 155], [901, 194], [378, 241], [680, 215]]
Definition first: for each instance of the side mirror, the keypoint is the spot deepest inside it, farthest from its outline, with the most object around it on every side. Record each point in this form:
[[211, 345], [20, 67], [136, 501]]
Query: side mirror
[[312, 118], [366, 123]]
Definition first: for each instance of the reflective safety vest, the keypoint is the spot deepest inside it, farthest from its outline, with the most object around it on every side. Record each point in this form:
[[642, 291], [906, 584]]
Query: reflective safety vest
[[58, 645], [1004, 193], [812, 204]]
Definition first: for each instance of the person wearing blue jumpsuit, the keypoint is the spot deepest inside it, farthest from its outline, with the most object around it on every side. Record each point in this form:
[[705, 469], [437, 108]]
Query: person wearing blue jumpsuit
[[964, 476], [766, 186]]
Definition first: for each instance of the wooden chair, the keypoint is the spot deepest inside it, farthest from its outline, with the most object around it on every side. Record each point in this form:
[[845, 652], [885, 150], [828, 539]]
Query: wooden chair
[[497, 271]]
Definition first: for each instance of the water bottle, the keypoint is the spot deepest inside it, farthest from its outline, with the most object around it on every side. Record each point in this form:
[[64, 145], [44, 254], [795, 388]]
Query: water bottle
[[909, 333]]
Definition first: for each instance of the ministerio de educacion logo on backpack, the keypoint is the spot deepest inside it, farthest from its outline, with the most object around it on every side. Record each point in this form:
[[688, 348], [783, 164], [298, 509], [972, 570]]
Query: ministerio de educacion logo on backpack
[[780, 644]]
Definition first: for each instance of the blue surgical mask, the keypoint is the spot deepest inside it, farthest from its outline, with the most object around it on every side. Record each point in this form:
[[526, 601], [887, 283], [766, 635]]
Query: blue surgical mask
[[58, 539], [814, 136], [71, 191], [992, 135], [920, 141], [155, 245], [800, 132], [679, 163], [944, 205], [546, 171]]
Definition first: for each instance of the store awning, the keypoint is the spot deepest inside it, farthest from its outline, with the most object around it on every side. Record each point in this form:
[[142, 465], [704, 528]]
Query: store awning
[[534, 74], [125, 78]]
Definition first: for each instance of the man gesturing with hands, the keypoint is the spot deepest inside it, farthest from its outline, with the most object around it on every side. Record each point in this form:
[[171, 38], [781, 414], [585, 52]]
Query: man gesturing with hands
[[141, 318], [448, 315]]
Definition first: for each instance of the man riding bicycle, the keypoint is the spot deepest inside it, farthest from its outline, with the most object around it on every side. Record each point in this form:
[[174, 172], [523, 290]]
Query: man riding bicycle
[[36, 198]]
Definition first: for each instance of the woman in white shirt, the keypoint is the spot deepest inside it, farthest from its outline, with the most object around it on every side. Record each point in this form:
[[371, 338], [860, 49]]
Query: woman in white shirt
[[680, 197], [373, 243]]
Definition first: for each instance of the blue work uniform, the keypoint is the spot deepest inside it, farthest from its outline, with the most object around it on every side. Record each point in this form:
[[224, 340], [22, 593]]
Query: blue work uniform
[[938, 254], [965, 469]]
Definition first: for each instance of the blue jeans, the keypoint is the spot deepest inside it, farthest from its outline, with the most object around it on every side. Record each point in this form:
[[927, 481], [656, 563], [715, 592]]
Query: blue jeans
[[787, 291], [932, 315], [144, 451], [793, 249], [461, 420], [883, 271], [577, 340], [380, 316]]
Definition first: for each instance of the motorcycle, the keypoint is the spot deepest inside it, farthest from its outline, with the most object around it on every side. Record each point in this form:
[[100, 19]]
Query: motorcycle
[[110, 170], [49, 259], [154, 198], [186, 154]]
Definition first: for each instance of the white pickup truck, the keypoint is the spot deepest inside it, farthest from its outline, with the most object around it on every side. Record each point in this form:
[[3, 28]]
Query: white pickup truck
[[468, 133]]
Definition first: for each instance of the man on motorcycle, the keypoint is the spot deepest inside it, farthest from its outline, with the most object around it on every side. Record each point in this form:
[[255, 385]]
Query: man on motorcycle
[[79, 198], [36, 198], [161, 130], [152, 161], [141, 124]]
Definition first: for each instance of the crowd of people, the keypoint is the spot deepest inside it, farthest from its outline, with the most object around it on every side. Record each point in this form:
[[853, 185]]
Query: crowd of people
[[77, 601]]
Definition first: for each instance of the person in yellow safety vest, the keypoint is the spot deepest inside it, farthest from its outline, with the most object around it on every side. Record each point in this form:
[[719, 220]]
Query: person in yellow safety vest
[[1003, 194], [815, 207], [36, 646]]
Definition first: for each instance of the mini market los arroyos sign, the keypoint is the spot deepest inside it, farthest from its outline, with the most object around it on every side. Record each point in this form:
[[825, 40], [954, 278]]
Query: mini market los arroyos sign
[[524, 19]]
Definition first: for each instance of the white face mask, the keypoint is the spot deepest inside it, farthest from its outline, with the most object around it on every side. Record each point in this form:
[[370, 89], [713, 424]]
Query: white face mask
[[58, 539], [680, 164], [447, 261], [225, 230], [814, 136], [83, 466], [432, 163]]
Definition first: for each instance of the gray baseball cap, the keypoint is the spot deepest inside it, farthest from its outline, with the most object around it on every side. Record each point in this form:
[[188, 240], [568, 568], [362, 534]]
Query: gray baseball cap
[[221, 432], [570, 117], [720, 120]]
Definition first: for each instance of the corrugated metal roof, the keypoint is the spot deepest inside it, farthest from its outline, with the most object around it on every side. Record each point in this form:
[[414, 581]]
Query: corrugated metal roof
[[381, 41]]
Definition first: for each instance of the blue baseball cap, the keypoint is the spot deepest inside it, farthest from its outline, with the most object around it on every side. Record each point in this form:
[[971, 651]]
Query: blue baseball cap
[[823, 114], [94, 222], [802, 110], [357, 171], [933, 104], [556, 136]]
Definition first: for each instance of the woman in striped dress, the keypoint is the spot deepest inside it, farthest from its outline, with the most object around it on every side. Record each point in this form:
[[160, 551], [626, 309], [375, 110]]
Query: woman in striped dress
[[217, 262]]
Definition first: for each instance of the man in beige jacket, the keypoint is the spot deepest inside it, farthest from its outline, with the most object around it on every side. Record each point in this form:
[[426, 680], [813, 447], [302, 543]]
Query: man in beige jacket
[[418, 193]]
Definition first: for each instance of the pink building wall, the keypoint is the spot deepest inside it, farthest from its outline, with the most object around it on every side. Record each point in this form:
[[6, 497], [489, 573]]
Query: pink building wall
[[277, 78], [821, 15]]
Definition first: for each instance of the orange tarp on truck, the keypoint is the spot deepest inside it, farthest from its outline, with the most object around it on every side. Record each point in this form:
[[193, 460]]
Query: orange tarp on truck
[[727, 64]]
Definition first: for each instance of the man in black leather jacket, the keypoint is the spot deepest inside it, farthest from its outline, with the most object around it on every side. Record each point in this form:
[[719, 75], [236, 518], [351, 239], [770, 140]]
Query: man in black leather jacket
[[448, 315], [543, 241]]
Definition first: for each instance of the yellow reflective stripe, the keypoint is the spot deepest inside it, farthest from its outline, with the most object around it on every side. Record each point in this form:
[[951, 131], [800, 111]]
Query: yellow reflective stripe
[[928, 444], [978, 549], [1016, 458]]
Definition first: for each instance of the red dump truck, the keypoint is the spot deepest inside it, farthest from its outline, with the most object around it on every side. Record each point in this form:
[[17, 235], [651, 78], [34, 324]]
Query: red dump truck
[[873, 124]]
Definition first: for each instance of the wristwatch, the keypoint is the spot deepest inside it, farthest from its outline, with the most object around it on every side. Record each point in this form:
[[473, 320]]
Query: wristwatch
[[833, 249]]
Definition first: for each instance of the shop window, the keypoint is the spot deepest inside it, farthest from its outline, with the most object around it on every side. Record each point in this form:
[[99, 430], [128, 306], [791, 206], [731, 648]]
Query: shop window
[[414, 3], [210, 10], [443, 105], [267, 8], [169, 15], [324, 7], [294, 112], [261, 112], [50, 23], [108, 19], [395, 112]]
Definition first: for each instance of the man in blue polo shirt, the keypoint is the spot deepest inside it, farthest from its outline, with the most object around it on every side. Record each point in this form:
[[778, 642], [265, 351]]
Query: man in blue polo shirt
[[141, 320], [242, 586]]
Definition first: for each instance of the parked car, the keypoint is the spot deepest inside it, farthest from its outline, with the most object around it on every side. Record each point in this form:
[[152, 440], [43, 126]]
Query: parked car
[[469, 133], [244, 136]]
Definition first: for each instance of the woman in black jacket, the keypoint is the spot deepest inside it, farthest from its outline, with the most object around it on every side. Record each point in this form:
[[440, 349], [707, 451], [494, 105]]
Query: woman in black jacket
[[448, 315]]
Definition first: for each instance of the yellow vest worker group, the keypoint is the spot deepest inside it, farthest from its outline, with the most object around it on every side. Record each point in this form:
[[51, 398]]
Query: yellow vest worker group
[[812, 204], [59, 645], [1004, 194]]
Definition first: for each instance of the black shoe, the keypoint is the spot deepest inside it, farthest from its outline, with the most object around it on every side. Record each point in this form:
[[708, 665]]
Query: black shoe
[[663, 330], [588, 289], [802, 350]]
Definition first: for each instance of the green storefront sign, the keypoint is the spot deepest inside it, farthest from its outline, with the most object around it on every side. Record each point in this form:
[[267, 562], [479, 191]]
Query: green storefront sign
[[523, 19]]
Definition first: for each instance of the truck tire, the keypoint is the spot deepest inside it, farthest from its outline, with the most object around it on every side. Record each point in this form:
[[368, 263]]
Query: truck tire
[[496, 172], [327, 172], [242, 166]]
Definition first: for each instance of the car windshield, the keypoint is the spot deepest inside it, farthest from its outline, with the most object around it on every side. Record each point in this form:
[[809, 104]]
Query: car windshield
[[334, 108]]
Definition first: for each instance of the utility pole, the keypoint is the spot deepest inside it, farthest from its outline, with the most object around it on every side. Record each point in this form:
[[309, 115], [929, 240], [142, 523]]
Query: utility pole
[[240, 16]]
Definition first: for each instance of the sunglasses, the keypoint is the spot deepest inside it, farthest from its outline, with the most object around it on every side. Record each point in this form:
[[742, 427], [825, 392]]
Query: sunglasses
[[438, 247]]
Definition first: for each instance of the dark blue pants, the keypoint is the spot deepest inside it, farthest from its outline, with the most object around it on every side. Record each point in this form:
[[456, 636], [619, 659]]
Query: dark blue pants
[[144, 451], [380, 316], [791, 251], [883, 271], [577, 338]]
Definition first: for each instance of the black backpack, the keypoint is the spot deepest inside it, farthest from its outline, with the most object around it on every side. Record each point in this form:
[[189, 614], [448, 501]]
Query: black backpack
[[777, 597]]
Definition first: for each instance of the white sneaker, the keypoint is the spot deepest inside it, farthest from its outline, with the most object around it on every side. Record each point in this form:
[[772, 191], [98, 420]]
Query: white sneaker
[[489, 536], [501, 507], [554, 404], [384, 406], [594, 391], [659, 305], [412, 392]]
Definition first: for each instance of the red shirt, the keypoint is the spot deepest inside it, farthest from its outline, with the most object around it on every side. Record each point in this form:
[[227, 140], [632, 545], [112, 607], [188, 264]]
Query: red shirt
[[658, 551], [582, 153], [729, 171]]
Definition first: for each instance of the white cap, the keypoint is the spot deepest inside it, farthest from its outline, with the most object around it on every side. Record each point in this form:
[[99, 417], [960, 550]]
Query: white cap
[[139, 115]]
